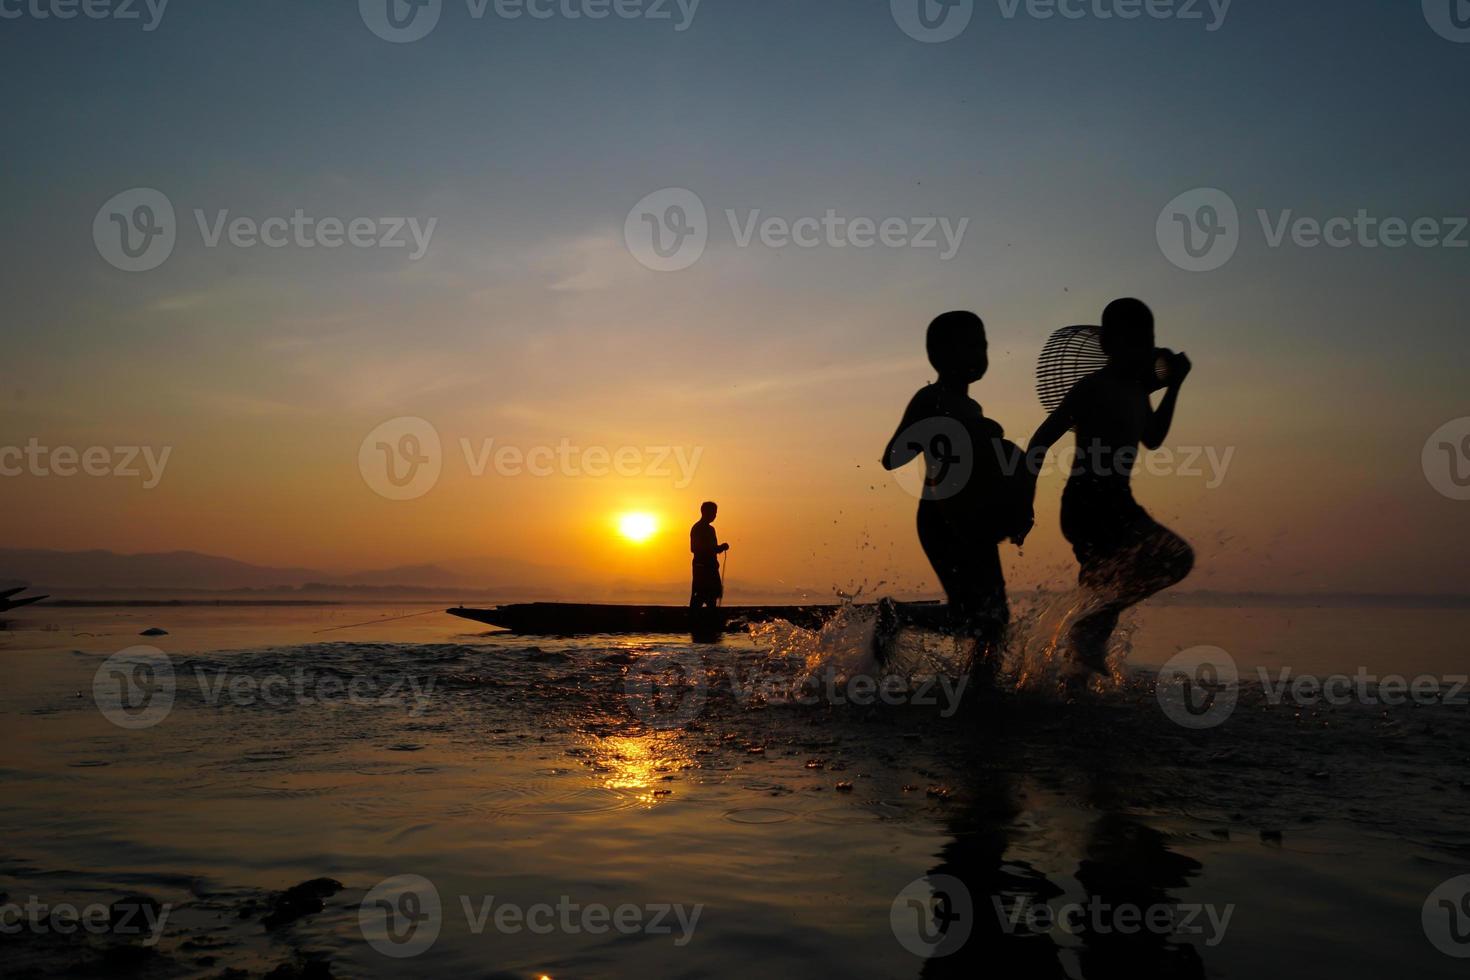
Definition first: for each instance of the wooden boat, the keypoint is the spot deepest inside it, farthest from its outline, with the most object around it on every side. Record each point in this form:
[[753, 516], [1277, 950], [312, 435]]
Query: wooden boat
[[12, 599], [576, 619], [9, 600]]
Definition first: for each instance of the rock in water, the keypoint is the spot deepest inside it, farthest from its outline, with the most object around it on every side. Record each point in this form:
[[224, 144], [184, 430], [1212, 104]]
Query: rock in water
[[154, 631], [313, 970], [134, 916], [299, 901]]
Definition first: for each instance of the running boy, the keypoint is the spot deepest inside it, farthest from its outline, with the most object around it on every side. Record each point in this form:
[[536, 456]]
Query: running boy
[[968, 505], [1125, 555]]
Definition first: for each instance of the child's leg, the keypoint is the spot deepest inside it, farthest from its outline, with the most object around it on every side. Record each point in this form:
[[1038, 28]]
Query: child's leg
[[1089, 636], [981, 612], [1157, 559], [968, 567], [997, 613]]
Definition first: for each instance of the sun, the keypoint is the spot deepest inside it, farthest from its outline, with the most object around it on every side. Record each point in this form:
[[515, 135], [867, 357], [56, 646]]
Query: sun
[[637, 528]]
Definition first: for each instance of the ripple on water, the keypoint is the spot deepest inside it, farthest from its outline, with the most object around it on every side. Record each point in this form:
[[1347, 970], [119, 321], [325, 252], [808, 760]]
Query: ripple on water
[[549, 797], [759, 815], [1314, 846], [253, 791], [1219, 835], [769, 789], [867, 811], [407, 832], [265, 757]]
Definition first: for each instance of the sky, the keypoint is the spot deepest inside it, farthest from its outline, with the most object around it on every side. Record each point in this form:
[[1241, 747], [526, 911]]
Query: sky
[[526, 152]]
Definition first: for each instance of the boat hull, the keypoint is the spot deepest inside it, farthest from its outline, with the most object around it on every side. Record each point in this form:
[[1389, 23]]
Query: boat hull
[[7, 603], [578, 619]]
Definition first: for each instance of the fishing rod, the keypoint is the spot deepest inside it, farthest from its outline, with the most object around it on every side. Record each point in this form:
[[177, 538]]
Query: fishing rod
[[374, 622]]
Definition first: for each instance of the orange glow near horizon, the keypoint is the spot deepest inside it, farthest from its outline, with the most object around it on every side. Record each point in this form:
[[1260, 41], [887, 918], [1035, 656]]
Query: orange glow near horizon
[[793, 465]]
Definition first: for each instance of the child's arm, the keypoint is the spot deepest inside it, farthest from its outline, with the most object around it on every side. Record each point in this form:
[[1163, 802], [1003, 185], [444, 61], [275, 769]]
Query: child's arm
[[1056, 425], [1162, 418], [901, 453]]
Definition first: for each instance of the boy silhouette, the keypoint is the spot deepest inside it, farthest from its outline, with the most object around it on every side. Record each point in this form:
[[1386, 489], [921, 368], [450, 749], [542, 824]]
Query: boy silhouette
[[1125, 555], [967, 506]]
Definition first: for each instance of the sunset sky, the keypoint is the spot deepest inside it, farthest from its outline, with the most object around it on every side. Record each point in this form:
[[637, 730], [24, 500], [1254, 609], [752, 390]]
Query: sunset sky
[[529, 321]]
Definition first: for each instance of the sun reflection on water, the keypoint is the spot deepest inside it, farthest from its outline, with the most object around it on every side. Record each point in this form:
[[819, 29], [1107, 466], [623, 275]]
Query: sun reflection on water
[[641, 766]]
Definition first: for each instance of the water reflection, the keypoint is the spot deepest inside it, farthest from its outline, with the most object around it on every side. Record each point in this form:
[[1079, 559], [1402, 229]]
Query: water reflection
[[642, 767], [1124, 873]]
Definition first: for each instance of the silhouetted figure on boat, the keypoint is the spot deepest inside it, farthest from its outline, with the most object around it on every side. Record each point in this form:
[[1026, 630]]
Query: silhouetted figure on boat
[[708, 588], [1125, 555], [973, 497]]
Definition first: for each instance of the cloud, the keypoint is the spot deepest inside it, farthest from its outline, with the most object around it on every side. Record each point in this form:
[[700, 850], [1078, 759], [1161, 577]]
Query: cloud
[[590, 263], [744, 388]]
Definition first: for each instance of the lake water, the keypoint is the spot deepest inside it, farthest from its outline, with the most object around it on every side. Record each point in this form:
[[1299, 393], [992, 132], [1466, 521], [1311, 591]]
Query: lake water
[[639, 806]]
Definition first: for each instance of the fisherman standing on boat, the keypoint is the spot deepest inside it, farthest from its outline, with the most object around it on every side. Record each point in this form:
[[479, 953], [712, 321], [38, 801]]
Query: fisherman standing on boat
[[708, 588]]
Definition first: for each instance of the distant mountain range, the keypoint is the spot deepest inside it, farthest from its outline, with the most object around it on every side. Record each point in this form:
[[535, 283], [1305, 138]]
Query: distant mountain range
[[180, 574], [74, 571]]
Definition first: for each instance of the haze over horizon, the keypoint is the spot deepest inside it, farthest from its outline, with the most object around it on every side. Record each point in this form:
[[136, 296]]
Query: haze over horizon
[[100, 574]]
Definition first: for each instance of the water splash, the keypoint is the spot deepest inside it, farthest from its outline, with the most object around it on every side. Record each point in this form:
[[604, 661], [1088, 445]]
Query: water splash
[[1038, 656], [843, 649]]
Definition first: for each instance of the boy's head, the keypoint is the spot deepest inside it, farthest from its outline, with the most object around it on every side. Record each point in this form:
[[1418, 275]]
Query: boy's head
[[1128, 331], [957, 346], [708, 510]]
